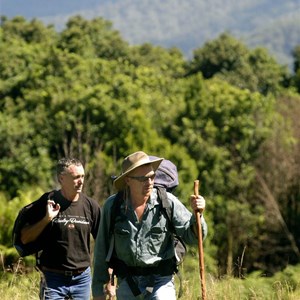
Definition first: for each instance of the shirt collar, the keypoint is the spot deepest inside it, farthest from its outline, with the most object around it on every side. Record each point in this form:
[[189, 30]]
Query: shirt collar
[[153, 200]]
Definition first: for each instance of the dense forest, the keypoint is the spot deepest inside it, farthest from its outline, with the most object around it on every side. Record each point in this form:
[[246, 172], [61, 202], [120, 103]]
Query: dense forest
[[229, 117]]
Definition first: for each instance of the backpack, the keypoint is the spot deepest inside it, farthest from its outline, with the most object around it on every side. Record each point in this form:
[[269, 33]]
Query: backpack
[[166, 180], [25, 214], [179, 245]]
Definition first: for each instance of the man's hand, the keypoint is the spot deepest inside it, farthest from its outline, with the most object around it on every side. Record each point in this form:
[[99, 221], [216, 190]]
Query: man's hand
[[52, 210], [110, 290], [31, 232], [197, 203]]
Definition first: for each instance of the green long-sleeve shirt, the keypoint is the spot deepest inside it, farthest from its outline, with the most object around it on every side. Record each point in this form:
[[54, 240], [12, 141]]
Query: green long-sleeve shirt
[[141, 243]]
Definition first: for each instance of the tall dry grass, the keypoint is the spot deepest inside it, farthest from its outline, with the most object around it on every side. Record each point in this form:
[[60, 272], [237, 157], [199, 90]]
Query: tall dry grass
[[21, 285]]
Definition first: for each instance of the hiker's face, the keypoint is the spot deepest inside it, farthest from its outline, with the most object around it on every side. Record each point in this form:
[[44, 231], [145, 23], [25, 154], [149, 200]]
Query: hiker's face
[[141, 180], [72, 180]]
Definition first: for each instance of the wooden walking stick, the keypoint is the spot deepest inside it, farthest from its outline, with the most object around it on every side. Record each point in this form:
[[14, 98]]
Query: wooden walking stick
[[200, 245]]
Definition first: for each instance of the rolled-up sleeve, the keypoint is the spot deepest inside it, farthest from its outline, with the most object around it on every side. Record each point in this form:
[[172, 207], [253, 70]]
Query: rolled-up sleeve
[[184, 221]]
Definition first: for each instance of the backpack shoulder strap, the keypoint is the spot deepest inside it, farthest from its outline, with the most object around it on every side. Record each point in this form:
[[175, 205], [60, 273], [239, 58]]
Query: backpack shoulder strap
[[178, 242], [166, 207], [115, 210], [162, 194]]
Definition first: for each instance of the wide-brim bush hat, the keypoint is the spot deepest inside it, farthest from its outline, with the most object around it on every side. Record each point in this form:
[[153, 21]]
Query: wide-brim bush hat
[[130, 163]]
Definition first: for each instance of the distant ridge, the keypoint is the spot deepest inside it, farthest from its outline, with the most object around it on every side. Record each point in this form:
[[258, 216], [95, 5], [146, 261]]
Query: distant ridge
[[187, 25]]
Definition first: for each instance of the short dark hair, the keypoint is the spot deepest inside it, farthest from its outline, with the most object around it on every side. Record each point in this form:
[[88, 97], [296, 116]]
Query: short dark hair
[[64, 163]]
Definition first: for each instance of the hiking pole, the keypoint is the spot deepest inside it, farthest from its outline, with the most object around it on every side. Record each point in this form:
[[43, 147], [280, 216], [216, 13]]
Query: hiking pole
[[200, 245]]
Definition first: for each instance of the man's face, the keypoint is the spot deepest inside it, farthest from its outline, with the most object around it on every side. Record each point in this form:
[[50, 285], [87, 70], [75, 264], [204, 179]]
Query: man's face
[[72, 181], [141, 180]]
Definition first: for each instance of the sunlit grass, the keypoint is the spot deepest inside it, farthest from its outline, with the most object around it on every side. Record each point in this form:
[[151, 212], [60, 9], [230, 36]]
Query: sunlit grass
[[285, 285], [19, 286]]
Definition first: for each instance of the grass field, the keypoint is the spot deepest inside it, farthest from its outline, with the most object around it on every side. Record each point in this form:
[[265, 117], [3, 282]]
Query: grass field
[[282, 286], [26, 287]]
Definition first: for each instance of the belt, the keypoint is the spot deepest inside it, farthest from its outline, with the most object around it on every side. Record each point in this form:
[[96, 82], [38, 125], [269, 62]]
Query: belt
[[164, 268], [64, 272]]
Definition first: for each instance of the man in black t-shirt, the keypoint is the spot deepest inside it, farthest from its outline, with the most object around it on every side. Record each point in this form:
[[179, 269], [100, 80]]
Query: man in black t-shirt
[[67, 217]]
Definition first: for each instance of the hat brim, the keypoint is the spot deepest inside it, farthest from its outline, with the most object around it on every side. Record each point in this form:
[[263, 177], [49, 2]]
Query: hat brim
[[119, 182]]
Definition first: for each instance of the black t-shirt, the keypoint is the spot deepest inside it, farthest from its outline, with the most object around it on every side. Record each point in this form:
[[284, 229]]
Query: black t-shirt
[[67, 244]]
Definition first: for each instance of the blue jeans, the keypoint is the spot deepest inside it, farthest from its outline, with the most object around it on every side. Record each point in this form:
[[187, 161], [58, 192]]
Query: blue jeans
[[56, 286], [153, 287]]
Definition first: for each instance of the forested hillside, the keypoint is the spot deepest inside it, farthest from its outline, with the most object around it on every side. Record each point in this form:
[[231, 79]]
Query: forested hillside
[[187, 25], [228, 117]]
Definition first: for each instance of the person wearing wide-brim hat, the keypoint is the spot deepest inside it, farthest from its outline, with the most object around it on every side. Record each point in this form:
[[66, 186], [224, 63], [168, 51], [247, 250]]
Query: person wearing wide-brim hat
[[133, 161], [134, 236]]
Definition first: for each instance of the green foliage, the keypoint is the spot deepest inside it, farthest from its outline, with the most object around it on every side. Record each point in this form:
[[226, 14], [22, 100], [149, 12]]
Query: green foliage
[[223, 54], [223, 128], [30, 32], [278, 168], [24, 153], [229, 59], [296, 55], [170, 62], [296, 77], [10, 208], [239, 223], [92, 38], [85, 92]]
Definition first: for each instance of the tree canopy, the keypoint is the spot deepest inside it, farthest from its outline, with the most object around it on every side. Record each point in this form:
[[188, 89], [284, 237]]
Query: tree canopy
[[227, 117]]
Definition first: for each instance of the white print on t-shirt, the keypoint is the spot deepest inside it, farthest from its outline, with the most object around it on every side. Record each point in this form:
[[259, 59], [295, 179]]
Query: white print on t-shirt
[[71, 220]]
